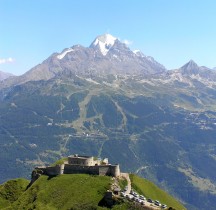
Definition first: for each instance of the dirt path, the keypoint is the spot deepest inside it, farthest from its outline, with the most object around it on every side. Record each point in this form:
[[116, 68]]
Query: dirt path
[[147, 206]]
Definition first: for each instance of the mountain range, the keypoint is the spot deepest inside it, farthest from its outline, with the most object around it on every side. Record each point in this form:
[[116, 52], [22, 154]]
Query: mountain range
[[107, 100]]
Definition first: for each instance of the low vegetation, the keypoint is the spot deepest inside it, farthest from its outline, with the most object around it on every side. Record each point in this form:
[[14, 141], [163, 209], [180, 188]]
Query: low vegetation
[[11, 191], [150, 190], [75, 192], [116, 126], [64, 192], [122, 183]]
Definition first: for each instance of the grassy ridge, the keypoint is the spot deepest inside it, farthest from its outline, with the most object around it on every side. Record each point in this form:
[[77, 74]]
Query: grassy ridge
[[74, 192], [64, 192], [11, 191], [149, 190]]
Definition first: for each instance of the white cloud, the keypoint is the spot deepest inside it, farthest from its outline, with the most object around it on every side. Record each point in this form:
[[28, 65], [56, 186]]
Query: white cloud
[[6, 60], [127, 42]]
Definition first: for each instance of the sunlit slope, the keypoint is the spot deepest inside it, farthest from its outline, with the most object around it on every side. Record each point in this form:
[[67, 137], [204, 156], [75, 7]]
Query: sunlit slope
[[73, 191], [150, 190]]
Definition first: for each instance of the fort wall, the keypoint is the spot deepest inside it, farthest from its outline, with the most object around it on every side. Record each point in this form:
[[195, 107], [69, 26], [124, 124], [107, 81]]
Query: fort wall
[[78, 160], [52, 170], [115, 170], [104, 170], [76, 169], [81, 165]]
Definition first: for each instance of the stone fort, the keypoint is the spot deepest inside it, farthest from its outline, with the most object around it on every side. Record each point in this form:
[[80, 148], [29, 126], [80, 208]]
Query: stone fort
[[76, 164]]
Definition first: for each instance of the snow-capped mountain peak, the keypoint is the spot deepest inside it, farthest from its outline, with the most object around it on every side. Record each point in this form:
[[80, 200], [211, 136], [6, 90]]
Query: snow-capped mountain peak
[[104, 43]]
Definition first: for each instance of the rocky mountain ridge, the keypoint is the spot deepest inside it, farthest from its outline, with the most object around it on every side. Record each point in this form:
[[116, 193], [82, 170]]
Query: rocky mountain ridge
[[107, 56], [93, 60], [5, 75]]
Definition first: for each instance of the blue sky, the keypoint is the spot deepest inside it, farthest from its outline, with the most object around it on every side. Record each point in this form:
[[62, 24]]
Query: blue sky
[[171, 31]]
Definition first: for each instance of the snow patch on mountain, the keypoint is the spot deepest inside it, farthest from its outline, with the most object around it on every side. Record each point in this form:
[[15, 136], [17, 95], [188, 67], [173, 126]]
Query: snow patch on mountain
[[113, 85], [92, 81], [139, 53], [62, 55], [147, 81]]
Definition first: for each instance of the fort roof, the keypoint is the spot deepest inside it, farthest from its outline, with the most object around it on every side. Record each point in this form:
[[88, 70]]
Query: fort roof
[[80, 156]]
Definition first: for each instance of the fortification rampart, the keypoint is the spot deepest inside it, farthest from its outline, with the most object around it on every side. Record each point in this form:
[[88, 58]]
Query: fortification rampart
[[114, 170], [104, 170], [81, 160], [76, 169], [79, 165], [52, 170]]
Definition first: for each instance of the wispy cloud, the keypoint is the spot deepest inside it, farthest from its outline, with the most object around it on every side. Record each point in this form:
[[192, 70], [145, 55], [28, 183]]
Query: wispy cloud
[[6, 60], [127, 42]]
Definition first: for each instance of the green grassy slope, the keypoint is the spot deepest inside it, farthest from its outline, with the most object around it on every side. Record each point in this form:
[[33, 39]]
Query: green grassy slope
[[64, 192], [73, 192], [150, 190], [11, 191]]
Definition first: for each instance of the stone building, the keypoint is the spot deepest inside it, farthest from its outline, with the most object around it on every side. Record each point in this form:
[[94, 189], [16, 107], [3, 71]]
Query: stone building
[[85, 160], [82, 165]]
